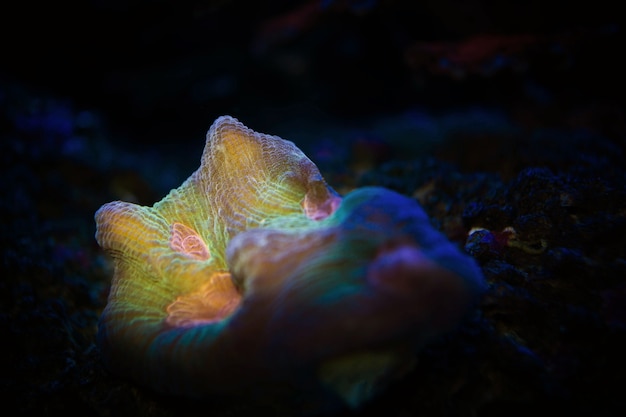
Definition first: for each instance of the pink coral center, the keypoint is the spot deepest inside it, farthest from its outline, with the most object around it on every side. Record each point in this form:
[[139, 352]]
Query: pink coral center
[[185, 240]]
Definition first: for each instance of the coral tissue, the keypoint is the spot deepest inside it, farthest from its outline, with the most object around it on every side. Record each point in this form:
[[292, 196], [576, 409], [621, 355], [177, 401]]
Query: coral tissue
[[255, 277]]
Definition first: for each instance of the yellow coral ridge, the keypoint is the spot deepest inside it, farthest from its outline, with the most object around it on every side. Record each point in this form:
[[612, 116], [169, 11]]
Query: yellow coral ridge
[[168, 256]]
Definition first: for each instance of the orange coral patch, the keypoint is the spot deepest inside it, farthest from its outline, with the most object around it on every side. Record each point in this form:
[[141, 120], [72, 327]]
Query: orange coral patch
[[213, 302]]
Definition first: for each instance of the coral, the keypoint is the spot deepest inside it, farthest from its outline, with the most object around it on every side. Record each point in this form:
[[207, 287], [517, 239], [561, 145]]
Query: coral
[[255, 277]]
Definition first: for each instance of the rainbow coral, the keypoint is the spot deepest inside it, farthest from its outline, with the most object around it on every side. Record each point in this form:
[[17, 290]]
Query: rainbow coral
[[254, 276]]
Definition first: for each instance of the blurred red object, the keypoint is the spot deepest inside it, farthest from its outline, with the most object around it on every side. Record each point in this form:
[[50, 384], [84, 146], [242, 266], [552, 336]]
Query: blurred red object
[[303, 17]]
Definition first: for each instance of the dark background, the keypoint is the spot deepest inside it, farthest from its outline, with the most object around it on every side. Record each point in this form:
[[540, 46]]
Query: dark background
[[163, 70]]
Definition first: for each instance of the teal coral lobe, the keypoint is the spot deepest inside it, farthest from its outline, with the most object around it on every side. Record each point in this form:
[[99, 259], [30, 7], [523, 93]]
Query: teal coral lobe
[[254, 276]]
